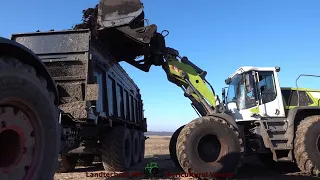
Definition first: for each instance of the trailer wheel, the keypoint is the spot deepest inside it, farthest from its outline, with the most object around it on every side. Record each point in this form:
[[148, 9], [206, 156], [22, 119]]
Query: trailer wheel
[[173, 144], [116, 149], [135, 147], [142, 146], [307, 145], [29, 127], [210, 144]]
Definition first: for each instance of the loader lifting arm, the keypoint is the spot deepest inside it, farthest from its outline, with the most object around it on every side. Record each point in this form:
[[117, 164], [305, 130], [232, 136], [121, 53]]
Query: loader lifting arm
[[192, 80]]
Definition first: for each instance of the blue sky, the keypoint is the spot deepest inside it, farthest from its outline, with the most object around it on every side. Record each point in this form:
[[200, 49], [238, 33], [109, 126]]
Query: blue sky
[[219, 36]]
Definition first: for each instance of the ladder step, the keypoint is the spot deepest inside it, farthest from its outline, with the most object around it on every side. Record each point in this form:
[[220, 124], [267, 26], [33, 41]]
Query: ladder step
[[284, 159], [279, 139]]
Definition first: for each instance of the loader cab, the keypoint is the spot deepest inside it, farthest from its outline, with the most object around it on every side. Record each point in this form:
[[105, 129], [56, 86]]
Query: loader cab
[[254, 93]]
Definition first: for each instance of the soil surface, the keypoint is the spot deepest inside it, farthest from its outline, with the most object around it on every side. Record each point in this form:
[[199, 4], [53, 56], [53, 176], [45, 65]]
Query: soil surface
[[157, 150]]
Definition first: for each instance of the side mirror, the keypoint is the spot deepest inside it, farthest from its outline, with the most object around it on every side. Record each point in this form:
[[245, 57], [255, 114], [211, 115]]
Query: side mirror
[[228, 81]]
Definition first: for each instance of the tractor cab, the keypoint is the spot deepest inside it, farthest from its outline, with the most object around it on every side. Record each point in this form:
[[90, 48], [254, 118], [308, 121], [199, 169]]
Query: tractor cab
[[254, 93]]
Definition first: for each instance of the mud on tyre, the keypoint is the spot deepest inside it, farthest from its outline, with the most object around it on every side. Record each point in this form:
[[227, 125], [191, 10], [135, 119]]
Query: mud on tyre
[[116, 149], [307, 145], [28, 121], [210, 144]]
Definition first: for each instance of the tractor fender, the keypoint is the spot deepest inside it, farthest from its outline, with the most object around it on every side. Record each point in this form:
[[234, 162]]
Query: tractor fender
[[296, 115], [15, 50], [226, 117]]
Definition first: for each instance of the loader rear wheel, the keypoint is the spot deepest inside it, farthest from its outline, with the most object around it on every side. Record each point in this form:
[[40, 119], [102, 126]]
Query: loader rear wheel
[[135, 147], [173, 144], [307, 145], [210, 144], [142, 146], [28, 121], [116, 149]]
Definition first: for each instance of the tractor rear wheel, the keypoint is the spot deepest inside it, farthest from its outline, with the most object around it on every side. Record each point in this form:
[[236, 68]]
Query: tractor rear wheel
[[210, 144], [307, 145], [173, 144], [29, 124]]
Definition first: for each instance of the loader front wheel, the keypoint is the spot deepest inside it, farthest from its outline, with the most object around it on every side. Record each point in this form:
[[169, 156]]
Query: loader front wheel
[[29, 126], [173, 144], [307, 145], [210, 145]]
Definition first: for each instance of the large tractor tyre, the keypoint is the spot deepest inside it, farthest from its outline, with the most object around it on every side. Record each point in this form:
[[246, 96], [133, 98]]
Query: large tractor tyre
[[28, 121], [86, 160], [307, 145], [210, 144], [68, 162], [135, 147], [173, 144], [142, 146], [116, 149]]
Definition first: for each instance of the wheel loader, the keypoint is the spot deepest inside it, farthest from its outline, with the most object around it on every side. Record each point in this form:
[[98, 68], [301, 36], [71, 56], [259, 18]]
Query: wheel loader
[[256, 116]]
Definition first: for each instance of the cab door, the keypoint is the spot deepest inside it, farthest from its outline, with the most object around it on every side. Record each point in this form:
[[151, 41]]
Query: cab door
[[270, 97]]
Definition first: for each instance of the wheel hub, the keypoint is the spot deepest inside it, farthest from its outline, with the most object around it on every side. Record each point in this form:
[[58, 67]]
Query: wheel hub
[[211, 148], [10, 139], [17, 142]]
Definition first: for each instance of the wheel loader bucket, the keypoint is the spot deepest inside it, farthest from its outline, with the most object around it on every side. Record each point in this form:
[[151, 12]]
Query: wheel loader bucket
[[112, 13]]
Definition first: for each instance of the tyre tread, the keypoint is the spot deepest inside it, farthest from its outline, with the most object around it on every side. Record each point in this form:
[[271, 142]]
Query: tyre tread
[[111, 147], [301, 156], [18, 66], [189, 128]]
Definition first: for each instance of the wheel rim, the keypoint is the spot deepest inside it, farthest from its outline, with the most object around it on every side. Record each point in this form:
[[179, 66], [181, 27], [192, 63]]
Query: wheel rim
[[211, 148], [21, 156]]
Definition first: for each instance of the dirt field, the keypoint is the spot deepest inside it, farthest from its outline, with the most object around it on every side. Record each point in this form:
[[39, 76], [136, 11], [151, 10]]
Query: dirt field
[[157, 151]]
